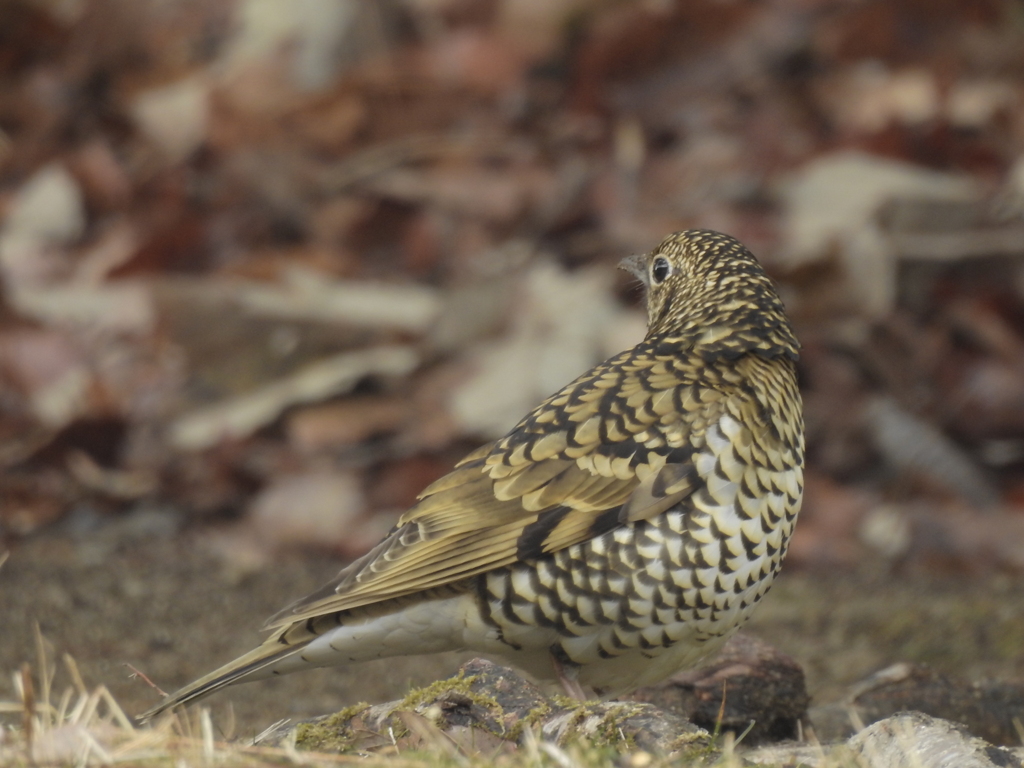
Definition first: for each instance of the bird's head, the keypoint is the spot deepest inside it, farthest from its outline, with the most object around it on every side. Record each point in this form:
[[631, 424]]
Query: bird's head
[[707, 291]]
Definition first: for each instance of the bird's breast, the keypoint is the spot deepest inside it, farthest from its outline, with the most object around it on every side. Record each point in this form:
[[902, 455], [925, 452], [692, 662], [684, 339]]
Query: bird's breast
[[689, 575]]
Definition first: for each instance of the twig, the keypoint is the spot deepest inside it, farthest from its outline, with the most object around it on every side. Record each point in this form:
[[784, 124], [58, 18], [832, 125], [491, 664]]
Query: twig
[[137, 675], [721, 710], [28, 700]]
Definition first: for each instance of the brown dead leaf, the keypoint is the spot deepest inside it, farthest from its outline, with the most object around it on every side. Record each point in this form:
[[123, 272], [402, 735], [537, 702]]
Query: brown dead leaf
[[366, 532], [114, 483], [346, 422], [987, 400], [474, 58], [174, 116], [561, 327], [330, 124], [240, 416], [867, 97], [494, 195], [333, 221], [916, 446], [45, 216], [105, 180], [396, 484], [51, 371], [316, 509], [29, 502], [976, 103], [114, 248], [958, 539], [829, 522]]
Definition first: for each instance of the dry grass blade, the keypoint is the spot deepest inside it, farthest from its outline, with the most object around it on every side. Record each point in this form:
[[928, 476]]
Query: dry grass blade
[[89, 728], [432, 737], [29, 710]]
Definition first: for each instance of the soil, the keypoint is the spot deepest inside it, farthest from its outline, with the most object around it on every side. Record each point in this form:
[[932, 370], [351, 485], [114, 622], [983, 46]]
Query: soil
[[160, 601]]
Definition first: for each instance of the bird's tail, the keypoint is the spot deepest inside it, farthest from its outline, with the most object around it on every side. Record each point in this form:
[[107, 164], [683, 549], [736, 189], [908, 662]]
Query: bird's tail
[[244, 668]]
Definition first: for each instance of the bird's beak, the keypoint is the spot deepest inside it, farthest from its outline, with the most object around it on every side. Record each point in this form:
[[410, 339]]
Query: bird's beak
[[636, 265]]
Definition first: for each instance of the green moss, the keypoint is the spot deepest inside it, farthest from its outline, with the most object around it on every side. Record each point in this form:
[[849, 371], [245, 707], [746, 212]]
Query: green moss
[[532, 718], [333, 734], [608, 732], [462, 685], [695, 748], [567, 702], [417, 697]]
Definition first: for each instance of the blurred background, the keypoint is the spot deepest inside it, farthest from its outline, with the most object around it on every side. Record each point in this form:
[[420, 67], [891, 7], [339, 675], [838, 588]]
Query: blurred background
[[270, 268]]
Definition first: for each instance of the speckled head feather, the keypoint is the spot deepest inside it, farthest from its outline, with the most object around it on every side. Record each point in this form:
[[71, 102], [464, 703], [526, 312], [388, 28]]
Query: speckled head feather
[[706, 291]]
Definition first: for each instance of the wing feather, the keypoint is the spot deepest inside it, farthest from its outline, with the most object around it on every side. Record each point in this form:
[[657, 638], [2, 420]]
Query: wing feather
[[550, 483]]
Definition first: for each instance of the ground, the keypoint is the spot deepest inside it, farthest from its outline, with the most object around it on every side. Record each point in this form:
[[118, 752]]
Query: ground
[[165, 605]]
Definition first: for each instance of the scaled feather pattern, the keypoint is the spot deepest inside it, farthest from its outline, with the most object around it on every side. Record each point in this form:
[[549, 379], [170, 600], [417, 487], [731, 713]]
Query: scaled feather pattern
[[623, 530]]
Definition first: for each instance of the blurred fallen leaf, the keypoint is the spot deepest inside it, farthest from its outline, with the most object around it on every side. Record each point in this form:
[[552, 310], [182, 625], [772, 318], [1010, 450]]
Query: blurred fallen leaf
[[105, 179], [319, 40], [27, 503], [913, 445], [47, 213], [561, 326], [887, 530], [122, 307], [396, 483], [974, 103], [115, 483], [240, 416], [331, 123], [475, 58], [347, 422], [366, 532], [497, 195], [831, 517], [51, 372], [174, 116], [867, 96], [114, 248], [307, 295], [959, 539], [832, 201], [315, 509]]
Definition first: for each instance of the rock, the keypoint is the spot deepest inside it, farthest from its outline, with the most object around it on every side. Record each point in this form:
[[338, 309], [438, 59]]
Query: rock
[[915, 740], [486, 705], [987, 709], [906, 740], [763, 691]]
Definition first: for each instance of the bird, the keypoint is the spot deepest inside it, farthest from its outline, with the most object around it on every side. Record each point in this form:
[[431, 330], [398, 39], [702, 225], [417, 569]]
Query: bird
[[623, 530]]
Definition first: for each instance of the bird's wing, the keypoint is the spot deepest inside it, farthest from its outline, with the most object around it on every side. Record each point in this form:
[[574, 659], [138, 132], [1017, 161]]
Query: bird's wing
[[615, 445]]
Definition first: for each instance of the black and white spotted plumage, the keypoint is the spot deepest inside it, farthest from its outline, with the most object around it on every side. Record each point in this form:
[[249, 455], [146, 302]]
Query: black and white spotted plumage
[[620, 532]]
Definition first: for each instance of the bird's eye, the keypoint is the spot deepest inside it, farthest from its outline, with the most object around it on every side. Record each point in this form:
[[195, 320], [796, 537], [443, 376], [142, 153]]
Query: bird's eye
[[660, 269]]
